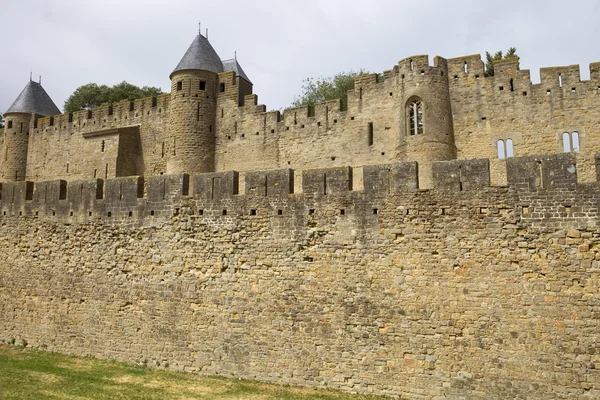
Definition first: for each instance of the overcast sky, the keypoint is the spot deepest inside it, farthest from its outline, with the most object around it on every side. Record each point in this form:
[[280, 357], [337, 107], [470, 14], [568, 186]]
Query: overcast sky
[[279, 43]]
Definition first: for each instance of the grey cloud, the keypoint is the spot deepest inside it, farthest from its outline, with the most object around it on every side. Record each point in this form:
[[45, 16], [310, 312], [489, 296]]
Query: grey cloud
[[279, 43]]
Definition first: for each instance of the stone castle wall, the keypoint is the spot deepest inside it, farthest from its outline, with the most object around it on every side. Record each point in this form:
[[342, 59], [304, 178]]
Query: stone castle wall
[[464, 290], [479, 111]]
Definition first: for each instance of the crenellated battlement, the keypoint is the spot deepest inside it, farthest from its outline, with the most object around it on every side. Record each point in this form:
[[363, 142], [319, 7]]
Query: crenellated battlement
[[133, 199], [105, 117]]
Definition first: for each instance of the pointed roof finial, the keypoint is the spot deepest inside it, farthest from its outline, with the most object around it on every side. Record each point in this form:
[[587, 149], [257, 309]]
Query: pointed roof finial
[[199, 28], [30, 76], [235, 55], [40, 79], [207, 33]]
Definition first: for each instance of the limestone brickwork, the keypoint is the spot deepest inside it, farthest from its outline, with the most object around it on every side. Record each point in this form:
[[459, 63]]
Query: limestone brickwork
[[462, 291], [223, 127], [372, 249]]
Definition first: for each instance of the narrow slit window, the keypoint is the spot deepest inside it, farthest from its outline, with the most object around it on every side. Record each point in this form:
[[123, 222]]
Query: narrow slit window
[[102, 146], [412, 65], [466, 67], [9, 124], [370, 134], [179, 85], [222, 87], [559, 80], [110, 109]]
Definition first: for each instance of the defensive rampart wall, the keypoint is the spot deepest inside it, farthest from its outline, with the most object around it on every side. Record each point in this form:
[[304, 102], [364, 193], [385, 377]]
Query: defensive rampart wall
[[464, 290]]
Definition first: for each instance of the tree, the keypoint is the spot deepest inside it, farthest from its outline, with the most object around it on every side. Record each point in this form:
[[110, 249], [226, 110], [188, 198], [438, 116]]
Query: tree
[[489, 59], [322, 89], [92, 95], [1, 121]]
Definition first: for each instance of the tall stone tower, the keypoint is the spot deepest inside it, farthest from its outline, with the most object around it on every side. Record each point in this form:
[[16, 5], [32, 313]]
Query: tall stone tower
[[33, 102], [191, 140], [426, 126]]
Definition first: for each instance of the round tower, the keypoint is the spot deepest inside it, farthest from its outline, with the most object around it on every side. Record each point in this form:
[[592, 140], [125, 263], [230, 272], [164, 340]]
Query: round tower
[[426, 126], [33, 102], [191, 139]]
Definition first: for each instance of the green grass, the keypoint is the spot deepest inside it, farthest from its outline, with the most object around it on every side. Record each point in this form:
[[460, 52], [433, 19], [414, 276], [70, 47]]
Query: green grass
[[33, 374]]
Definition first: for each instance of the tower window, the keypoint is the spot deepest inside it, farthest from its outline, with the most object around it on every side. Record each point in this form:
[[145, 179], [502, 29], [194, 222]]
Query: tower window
[[222, 87], [202, 85], [415, 117], [370, 134], [505, 149], [179, 85], [570, 142], [9, 124], [102, 145]]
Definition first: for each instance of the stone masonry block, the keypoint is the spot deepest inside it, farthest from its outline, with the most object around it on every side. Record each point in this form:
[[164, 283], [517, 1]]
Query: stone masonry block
[[127, 189], [167, 187], [213, 186], [461, 175], [391, 178], [49, 193], [542, 172], [270, 183], [85, 192], [327, 181]]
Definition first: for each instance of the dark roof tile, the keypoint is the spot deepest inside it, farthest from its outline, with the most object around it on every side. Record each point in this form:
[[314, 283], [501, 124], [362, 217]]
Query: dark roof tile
[[200, 55], [34, 100]]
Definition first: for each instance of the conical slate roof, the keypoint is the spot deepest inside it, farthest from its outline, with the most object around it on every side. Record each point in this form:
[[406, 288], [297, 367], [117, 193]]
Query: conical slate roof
[[233, 66], [200, 55], [34, 100]]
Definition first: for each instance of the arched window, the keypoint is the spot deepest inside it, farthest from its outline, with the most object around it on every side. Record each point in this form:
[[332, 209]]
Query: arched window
[[505, 149], [415, 118], [509, 148], [575, 141], [571, 142], [566, 142], [500, 146]]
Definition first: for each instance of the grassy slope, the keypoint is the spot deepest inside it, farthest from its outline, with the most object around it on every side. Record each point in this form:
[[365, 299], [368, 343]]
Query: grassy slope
[[32, 374]]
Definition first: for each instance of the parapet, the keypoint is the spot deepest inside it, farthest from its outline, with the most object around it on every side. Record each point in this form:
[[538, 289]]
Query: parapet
[[542, 172], [391, 178], [118, 199], [461, 175], [327, 181], [270, 183]]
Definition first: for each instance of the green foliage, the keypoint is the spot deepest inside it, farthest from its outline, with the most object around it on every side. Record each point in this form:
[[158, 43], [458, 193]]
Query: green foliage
[[92, 95], [489, 59], [1, 121], [323, 89]]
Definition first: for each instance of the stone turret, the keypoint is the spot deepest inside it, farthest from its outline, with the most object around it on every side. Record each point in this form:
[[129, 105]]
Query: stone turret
[[33, 102], [194, 85], [426, 126]]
